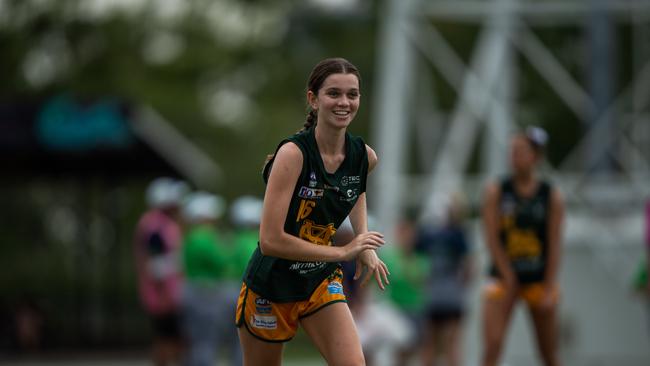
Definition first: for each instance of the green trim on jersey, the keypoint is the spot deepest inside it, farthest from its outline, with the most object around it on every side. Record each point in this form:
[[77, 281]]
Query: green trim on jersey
[[319, 204]]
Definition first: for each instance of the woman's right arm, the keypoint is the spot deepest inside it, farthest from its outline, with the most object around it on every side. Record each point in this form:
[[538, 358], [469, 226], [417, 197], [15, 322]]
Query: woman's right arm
[[490, 214], [274, 241]]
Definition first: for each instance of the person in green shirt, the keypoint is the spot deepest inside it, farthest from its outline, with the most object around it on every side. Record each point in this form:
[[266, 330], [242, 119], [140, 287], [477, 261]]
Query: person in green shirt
[[208, 297], [245, 214], [409, 272]]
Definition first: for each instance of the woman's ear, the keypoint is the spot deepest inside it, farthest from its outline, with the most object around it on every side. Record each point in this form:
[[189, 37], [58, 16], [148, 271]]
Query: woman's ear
[[312, 99]]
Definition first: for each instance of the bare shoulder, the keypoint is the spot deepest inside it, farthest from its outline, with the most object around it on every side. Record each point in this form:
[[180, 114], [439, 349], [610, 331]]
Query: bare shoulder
[[287, 161], [289, 151], [372, 158]]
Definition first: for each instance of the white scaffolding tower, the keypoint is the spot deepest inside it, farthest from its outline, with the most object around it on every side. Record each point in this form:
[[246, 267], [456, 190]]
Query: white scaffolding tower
[[486, 89], [605, 177]]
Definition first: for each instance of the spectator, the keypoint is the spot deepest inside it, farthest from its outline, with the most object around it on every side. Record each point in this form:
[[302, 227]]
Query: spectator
[[156, 245], [210, 294]]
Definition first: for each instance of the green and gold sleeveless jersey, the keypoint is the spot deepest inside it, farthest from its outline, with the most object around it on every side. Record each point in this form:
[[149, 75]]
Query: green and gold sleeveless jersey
[[319, 204], [523, 230]]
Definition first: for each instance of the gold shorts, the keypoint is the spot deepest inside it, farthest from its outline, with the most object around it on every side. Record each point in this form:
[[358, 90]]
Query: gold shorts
[[278, 322], [533, 294]]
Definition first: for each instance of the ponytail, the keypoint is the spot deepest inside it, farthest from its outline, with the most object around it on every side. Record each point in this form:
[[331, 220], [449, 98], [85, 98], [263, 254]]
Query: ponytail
[[310, 121]]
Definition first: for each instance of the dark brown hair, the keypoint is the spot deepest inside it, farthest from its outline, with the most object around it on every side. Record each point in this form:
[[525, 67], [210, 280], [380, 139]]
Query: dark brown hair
[[317, 77], [319, 73]]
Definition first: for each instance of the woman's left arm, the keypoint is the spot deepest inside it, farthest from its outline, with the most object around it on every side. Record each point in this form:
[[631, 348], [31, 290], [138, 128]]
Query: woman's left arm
[[555, 229], [368, 258], [359, 221]]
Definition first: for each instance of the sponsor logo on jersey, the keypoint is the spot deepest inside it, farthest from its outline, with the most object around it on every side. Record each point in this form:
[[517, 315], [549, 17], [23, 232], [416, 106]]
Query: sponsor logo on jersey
[[307, 267], [350, 195], [264, 321], [335, 288], [333, 188], [312, 180], [307, 192], [317, 234], [350, 179]]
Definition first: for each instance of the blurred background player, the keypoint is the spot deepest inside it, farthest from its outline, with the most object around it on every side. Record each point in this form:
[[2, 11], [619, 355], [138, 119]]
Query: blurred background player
[[522, 217], [157, 244], [209, 292], [375, 313], [245, 214], [409, 275], [448, 251]]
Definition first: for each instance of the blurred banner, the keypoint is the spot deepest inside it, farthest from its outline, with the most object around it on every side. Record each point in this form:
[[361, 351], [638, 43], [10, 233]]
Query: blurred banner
[[65, 136]]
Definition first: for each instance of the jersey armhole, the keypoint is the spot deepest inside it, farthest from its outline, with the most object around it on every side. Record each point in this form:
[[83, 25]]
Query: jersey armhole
[[269, 165], [365, 162]]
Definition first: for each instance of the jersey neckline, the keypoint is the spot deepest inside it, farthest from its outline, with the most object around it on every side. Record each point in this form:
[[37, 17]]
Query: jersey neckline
[[312, 136]]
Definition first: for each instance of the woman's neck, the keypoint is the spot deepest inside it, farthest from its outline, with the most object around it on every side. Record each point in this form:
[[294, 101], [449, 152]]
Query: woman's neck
[[525, 182], [330, 141]]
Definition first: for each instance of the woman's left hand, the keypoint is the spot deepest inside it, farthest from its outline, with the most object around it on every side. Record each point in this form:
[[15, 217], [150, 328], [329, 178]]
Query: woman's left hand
[[369, 260]]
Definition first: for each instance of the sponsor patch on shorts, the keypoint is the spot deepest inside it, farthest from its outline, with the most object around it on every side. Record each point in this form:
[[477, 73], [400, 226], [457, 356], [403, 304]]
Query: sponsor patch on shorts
[[335, 288], [263, 309], [262, 305], [264, 321]]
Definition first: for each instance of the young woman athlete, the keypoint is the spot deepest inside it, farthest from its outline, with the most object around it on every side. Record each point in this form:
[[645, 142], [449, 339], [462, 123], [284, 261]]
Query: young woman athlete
[[314, 180], [522, 217]]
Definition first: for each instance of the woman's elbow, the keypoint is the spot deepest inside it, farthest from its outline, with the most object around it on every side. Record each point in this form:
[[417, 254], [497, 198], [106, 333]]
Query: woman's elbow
[[266, 245]]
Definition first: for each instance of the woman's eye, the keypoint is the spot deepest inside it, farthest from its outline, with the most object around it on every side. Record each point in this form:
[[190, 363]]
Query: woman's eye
[[353, 95], [333, 94]]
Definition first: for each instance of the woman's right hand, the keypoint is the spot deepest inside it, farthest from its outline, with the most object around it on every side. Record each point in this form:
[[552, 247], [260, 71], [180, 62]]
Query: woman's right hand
[[369, 240]]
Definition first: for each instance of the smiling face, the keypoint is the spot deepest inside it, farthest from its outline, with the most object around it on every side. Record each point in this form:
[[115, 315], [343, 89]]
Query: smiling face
[[337, 100]]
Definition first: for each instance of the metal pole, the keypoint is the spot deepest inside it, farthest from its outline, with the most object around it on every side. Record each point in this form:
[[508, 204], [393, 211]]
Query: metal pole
[[391, 118], [602, 45]]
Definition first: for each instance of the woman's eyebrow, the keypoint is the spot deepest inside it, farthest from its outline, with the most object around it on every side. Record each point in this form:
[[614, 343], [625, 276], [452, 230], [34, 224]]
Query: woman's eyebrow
[[334, 88]]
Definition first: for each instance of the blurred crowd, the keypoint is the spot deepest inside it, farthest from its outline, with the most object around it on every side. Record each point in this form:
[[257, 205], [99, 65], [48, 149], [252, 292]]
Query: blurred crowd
[[190, 263], [191, 252], [189, 271], [418, 320]]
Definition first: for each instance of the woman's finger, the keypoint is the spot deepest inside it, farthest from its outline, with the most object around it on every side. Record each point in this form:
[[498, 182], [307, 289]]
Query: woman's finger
[[384, 274], [378, 278], [374, 245], [384, 266], [358, 271], [367, 277]]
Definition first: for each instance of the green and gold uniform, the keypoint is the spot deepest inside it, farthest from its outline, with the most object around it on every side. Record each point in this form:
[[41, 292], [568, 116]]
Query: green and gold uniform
[[523, 230], [319, 204], [523, 234]]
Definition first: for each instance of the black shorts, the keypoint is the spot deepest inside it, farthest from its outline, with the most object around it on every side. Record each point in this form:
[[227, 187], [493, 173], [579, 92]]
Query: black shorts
[[166, 325], [439, 315]]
